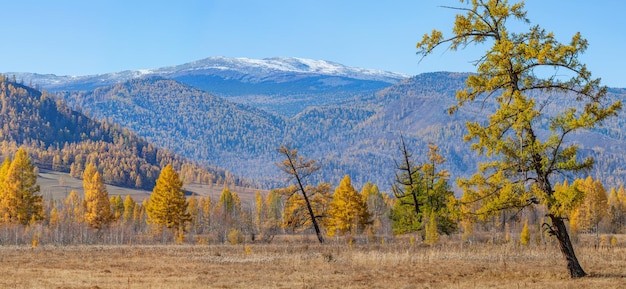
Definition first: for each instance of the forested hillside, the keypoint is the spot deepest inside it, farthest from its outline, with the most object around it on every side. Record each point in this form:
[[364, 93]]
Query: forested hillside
[[61, 139], [357, 136]]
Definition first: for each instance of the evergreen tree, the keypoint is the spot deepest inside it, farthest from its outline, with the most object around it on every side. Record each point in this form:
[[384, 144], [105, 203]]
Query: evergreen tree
[[167, 206], [524, 237], [97, 205], [129, 207], [5, 200], [21, 202], [348, 211]]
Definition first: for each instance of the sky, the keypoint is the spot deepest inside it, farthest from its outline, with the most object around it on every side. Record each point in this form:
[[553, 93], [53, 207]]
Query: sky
[[80, 37]]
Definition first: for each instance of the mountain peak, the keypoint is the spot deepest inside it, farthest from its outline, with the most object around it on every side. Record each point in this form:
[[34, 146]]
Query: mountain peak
[[262, 67], [254, 70]]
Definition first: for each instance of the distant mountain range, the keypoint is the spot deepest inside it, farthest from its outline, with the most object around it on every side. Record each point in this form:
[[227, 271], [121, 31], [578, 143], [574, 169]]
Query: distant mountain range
[[234, 113]]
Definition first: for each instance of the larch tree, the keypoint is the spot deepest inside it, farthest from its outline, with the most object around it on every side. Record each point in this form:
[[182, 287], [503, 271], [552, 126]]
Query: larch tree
[[167, 207], [129, 207], [5, 214], [21, 200], [97, 205], [421, 191], [523, 160], [348, 210], [593, 207], [298, 169]]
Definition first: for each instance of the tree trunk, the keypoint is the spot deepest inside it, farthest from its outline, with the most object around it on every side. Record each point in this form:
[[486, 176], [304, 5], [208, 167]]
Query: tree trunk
[[318, 232], [565, 244]]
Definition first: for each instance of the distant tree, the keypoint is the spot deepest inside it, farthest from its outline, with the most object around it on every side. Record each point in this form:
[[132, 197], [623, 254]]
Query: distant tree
[[5, 200], [593, 207], [617, 209], [298, 169], [348, 210], [167, 207], [524, 236], [117, 207], [272, 216], [21, 201], [129, 207], [377, 206], [97, 205], [296, 216], [523, 157], [421, 191]]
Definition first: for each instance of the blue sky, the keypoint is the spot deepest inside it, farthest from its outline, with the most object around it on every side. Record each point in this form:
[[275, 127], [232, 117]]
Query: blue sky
[[97, 36]]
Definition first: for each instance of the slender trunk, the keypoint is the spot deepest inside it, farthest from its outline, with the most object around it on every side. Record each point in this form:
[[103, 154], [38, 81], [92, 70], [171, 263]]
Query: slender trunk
[[565, 244], [318, 232]]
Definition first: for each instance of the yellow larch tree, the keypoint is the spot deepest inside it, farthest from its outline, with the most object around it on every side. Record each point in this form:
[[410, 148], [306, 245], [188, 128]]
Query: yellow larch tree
[[129, 207], [5, 214], [167, 207], [593, 208], [524, 237], [97, 205], [73, 209], [524, 147], [348, 211], [21, 200]]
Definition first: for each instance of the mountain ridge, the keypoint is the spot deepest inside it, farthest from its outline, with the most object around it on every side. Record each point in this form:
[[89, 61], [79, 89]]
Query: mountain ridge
[[256, 70]]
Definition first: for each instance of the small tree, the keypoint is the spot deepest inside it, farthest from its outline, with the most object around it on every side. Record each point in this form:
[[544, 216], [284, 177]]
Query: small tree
[[167, 206], [97, 204], [348, 211], [524, 237], [421, 191], [298, 168], [21, 201]]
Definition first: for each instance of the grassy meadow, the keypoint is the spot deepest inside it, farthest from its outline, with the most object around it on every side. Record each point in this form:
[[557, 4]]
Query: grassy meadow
[[301, 263]]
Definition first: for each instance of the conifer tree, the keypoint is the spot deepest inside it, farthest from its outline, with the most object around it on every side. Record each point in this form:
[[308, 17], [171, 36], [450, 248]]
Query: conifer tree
[[299, 169], [73, 209], [348, 211], [5, 200], [525, 147], [432, 236], [167, 206], [97, 205], [21, 202], [524, 237], [129, 207]]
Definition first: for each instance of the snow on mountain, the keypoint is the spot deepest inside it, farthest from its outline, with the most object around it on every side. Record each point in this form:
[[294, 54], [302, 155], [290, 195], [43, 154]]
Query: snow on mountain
[[262, 67], [252, 69]]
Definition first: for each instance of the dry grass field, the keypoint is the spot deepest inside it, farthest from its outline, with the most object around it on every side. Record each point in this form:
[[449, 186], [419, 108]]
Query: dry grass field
[[305, 264]]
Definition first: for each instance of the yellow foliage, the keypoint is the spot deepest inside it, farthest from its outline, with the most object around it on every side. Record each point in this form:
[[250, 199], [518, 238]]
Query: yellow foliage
[[97, 205], [348, 211], [167, 205], [524, 237]]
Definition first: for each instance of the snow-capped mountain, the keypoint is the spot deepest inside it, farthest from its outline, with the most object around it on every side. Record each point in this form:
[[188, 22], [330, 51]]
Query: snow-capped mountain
[[278, 69]]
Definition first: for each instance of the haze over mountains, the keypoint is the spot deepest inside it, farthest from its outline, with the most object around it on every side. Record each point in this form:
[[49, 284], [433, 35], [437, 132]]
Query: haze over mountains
[[234, 113]]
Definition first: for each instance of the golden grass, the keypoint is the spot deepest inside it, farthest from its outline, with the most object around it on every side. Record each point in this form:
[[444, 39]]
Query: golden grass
[[307, 265]]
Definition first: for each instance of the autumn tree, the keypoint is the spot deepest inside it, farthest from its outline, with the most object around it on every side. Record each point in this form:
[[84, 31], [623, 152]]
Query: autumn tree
[[296, 216], [348, 210], [616, 214], [376, 202], [298, 169], [271, 216], [20, 199], [97, 205], [129, 207], [167, 207], [594, 206], [522, 159], [421, 191]]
